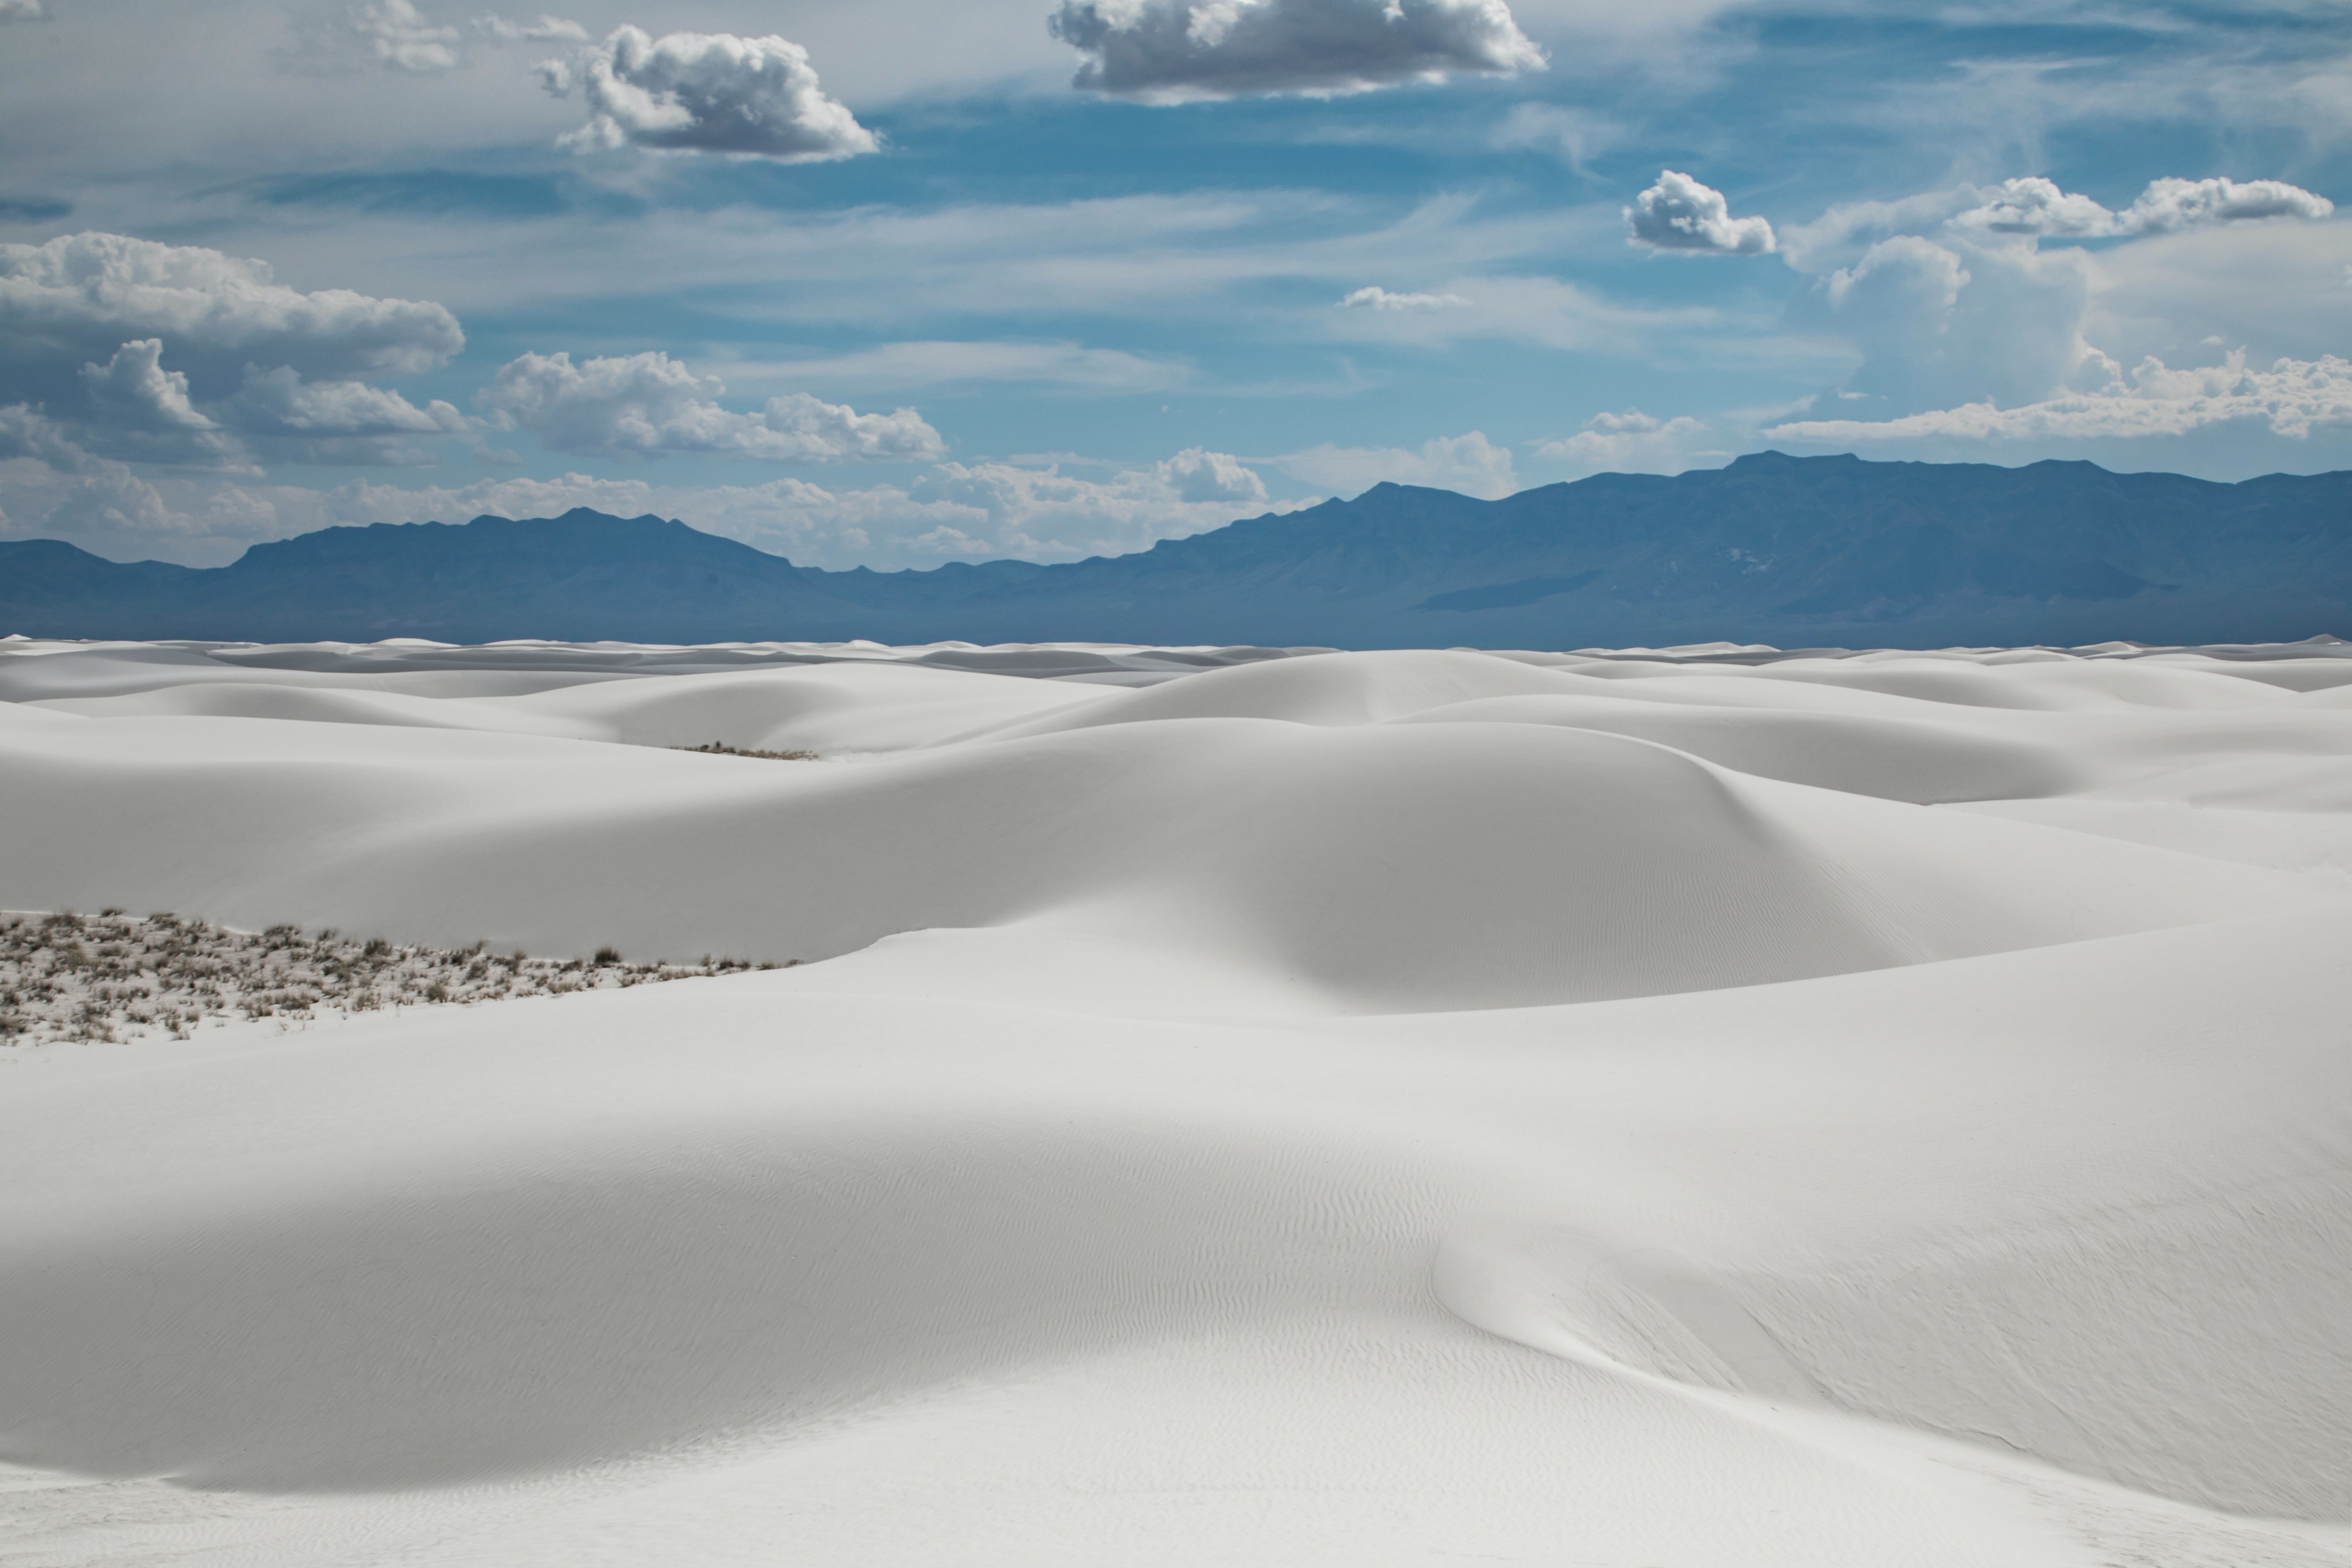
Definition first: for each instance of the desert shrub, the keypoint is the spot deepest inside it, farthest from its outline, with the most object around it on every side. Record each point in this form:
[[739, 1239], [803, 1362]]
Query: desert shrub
[[721, 749], [65, 976]]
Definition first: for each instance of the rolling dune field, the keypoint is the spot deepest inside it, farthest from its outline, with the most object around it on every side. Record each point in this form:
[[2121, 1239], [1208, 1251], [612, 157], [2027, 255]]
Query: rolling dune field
[[1700, 1108]]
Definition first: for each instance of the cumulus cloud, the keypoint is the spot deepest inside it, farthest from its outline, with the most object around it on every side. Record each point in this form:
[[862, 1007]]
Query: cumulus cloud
[[1382, 299], [1044, 514], [953, 511], [1174, 50], [1679, 213], [1196, 475], [1964, 318], [1470, 463], [135, 408], [279, 402], [2037, 206], [1917, 277], [1635, 442], [134, 388], [151, 354], [2168, 206], [22, 11], [141, 410], [648, 405], [27, 432], [706, 92], [80, 297], [400, 39], [1940, 321], [55, 490], [337, 421], [2293, 397]]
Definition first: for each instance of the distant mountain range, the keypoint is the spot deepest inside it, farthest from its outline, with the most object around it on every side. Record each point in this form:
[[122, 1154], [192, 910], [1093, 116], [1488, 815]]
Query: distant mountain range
[[1797, 552]]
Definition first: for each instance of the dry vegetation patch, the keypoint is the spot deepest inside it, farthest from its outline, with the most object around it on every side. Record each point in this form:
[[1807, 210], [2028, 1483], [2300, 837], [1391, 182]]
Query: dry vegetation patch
[[721, 749], [113, 976]]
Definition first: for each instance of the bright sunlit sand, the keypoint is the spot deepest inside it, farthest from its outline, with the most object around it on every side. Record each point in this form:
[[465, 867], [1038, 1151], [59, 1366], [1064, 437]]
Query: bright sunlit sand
[[1691, 1108]]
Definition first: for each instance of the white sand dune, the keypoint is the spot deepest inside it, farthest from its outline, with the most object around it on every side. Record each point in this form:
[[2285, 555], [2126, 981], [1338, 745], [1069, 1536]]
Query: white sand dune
[[1691, 1108]]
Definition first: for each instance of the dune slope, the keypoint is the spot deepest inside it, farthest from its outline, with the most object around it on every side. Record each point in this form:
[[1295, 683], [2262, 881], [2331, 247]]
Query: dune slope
[[1676, 1107]]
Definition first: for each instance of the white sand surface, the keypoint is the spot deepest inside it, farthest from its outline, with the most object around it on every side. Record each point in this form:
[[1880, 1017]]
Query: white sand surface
[[1688, 1107]]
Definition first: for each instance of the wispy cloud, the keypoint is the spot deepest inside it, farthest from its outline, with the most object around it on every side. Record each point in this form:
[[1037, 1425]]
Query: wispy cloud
[[546, 29], [938, 363], [400, 39], [2293, 397], [1631, 441], [1378, 298], [1469, 463]]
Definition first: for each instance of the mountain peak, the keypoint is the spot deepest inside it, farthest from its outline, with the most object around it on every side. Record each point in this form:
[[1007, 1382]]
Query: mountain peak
[[1774, 462]]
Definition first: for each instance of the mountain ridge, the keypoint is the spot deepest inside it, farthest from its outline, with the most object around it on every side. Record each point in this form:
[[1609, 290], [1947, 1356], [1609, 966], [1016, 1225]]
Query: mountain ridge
[[1792, 550]]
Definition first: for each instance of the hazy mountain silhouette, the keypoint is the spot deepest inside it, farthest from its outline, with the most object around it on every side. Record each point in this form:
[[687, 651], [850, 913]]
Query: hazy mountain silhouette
[[1793, 551]]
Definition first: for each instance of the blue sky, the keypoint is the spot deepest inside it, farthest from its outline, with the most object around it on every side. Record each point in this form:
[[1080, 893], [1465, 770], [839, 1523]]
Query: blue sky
[[900, 281]]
